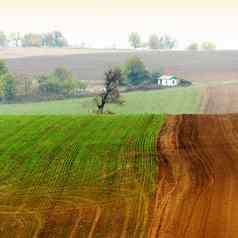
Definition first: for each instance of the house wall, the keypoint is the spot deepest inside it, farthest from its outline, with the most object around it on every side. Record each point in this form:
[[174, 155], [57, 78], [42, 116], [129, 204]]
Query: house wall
[[168, 83], [164, 82], [171, 82]]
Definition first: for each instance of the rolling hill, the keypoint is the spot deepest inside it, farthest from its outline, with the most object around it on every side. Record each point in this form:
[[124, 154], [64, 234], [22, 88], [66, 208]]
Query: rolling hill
[[173, 101], [64, 173], [200, 66], [119, 176]]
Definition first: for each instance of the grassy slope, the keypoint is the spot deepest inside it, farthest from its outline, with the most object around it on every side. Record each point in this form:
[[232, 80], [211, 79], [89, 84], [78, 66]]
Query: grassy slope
[[46, 160], [174, 101], [87, 139]]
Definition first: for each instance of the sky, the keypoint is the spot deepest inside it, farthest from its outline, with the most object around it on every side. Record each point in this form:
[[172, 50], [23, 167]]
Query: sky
[[107, 23]]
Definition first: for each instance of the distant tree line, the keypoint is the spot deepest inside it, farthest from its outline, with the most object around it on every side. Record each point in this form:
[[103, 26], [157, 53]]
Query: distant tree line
[[56, 39], [165, 42], [207, 45], [51, 39]]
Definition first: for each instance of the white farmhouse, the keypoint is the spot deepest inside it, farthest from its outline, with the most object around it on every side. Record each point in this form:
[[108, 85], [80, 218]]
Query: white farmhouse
[[168, 81]]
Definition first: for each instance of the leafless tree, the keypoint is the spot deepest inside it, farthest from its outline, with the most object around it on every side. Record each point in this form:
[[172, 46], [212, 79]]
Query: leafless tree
[[112, 78]]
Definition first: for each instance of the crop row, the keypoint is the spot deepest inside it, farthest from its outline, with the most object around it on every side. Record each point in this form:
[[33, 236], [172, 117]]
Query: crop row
[[49, 162]]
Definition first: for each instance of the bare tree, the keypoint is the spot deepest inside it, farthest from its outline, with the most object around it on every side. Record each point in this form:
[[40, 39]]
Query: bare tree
[[112, 78]]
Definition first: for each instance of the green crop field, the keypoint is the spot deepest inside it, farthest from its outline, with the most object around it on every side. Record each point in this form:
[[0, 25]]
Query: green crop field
[[173, 101], [70, 176]]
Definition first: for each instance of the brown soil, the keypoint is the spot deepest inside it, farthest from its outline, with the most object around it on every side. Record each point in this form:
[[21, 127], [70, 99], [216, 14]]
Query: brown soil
[[197, 187]]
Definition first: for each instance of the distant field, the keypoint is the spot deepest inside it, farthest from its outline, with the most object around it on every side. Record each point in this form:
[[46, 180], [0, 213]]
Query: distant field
[[220, 99], [90, 65], [13, 53], [88, 176], [173, 101]]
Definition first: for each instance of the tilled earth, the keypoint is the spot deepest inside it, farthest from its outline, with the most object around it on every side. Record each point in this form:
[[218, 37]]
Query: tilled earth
[[197, 189]]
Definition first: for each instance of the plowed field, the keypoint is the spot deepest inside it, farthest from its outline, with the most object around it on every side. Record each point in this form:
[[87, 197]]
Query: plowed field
[[197, 189]]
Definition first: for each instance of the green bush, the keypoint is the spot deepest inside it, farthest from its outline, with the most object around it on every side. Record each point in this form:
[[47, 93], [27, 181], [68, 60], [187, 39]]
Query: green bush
[[9, 86], [63, 74], [7, 83], [135, 71], [154, 77], [3, 67], [61, 82], [208, 46]]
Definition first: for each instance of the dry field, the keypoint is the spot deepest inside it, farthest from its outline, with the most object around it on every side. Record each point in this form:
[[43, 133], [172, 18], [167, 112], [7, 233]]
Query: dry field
[[199, 67], [220, 99], [13, 53]]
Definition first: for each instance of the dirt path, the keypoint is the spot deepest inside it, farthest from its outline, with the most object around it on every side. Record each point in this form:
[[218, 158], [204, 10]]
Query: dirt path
[[197, 190]]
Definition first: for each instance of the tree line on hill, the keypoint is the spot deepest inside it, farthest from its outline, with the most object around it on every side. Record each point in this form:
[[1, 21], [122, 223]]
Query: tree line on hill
[[207, 45], [50, 39], [154, 42], [165, 42], [56, 39]]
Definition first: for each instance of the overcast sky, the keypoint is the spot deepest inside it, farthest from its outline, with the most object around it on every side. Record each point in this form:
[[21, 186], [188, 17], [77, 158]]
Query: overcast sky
[[102, 24]]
